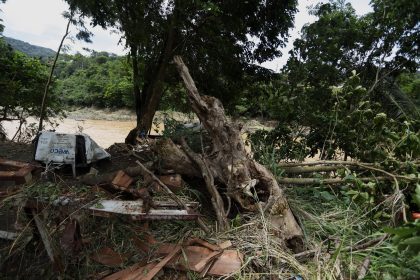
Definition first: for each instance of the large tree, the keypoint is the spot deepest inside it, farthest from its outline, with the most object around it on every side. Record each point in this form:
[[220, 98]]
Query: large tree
[[377, 46], [218, 39]]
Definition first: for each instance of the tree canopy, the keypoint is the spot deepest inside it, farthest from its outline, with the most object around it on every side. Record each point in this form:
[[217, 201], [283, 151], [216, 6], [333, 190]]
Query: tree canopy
[[343, 83], [218, 39]]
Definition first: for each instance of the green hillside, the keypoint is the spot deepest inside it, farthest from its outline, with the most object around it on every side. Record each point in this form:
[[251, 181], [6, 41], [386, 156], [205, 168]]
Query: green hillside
[[31, 50]]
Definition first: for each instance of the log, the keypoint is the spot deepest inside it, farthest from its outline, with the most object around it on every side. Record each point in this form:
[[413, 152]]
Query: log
[[216, 198], [323, 162], [327, 181], [316, 168], [230, 165]]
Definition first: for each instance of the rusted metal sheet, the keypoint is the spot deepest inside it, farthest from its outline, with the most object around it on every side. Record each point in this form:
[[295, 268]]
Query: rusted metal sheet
[[134, 209]]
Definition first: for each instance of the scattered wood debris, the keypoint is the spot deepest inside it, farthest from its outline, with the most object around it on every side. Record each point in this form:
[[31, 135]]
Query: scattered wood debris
[[109, 257], [71, 241], [122, 180], [49, 245], [15, 172], [197, 255]]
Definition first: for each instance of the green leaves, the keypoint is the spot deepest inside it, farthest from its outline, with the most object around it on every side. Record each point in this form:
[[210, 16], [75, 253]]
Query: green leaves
[[407, 238], [101, 79], [416, 195]]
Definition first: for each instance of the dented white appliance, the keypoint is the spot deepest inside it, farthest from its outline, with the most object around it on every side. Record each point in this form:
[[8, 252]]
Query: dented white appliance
[[63, 148]]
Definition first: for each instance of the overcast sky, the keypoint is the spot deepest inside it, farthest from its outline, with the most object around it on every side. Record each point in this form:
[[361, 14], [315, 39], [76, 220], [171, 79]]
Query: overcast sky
[[40, 22]]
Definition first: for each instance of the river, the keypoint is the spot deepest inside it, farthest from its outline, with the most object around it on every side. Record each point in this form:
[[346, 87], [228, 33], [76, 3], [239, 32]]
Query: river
[[109, 127], [104, 132]]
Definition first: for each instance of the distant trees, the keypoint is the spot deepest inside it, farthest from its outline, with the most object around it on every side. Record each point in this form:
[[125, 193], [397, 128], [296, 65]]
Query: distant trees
[[218, 40], [101, 79]]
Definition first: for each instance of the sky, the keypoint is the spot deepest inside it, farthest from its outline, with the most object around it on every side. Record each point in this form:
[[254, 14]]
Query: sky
[[40, 22]]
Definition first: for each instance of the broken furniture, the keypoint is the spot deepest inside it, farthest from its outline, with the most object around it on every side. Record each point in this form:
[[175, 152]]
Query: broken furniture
[[162, 210], [15, 172]]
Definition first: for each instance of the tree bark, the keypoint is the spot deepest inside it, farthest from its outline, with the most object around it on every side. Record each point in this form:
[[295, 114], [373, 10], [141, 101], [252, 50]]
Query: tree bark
[[230, 165], [147, 100]]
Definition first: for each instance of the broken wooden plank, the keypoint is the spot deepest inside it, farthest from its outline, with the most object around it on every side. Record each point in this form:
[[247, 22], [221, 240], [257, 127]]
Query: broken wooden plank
[[15, 171], [71, 240], [48, 243], [230, 261], [8, 235], [226, 263], [161, 264], [122, 180], [195, 241], [128, 272]]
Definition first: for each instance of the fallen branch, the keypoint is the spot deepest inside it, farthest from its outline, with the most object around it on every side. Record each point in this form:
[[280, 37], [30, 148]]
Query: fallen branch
[[316, 168], [323, 162], [216, 199], [251, 185]]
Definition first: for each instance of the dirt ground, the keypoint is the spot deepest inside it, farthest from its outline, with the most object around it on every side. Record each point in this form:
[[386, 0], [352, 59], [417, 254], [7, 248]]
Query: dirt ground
[[16, 151]]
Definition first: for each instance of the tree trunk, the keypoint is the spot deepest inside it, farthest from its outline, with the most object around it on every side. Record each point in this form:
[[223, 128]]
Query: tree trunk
[[147, 100], [229, 164]]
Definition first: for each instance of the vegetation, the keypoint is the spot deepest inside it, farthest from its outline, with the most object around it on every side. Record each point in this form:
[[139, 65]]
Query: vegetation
[[349, 92], [215, 38], [22, 82], [102, 80]]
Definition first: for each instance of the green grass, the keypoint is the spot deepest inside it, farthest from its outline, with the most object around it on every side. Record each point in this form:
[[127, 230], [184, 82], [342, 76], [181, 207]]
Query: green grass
[[330, 219]]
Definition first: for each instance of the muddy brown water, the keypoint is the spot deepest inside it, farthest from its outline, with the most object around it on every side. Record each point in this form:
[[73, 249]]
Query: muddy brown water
[[103, 132]]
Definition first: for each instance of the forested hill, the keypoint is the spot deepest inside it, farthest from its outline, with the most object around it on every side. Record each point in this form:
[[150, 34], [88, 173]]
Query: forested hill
[[29, 49]]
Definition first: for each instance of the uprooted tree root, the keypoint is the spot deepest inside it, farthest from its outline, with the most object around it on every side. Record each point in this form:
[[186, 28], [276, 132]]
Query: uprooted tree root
[[229, 165]]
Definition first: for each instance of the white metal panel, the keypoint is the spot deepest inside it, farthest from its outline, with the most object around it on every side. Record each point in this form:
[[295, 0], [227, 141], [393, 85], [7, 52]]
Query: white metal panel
[[56, 147]]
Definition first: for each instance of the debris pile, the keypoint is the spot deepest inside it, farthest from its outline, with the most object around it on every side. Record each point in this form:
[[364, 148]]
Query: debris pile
[[150, 188], [134, 194], [194, 255]]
